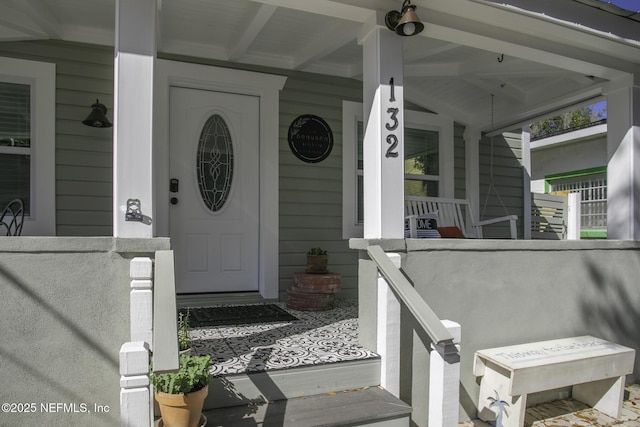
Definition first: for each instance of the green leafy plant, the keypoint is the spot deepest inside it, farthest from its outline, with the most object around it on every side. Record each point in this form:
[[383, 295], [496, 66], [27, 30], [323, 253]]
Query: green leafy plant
[[193, 375], [316, 252], [183, 331]]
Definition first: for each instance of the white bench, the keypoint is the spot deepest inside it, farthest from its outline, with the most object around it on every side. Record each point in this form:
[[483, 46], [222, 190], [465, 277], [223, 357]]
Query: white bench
[[594, 367], [454, 212]]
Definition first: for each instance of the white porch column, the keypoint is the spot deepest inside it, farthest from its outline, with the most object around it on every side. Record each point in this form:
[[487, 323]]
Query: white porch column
[[472, 138], [135, 51], [526, 180], [623, 152], [384, 132]]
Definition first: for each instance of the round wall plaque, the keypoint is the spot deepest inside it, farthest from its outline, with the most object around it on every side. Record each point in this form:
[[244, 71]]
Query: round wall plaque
[[310, 138]]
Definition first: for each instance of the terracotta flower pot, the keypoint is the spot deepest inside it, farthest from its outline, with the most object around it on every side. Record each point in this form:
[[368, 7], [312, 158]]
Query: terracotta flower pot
[[316, 264], [181, 410]]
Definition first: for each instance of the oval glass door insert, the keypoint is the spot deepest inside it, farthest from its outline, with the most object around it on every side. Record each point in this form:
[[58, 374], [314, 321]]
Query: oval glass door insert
[[214, 163]]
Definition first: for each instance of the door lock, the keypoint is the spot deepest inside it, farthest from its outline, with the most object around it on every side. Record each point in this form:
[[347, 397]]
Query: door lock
[[173, 185], [174, 200]]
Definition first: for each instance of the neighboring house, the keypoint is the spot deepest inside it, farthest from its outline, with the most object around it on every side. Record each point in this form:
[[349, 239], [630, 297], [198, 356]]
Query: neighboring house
[[575, 161]]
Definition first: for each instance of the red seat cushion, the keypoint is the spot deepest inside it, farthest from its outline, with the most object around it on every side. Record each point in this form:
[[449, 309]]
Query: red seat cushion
[[450, 233]]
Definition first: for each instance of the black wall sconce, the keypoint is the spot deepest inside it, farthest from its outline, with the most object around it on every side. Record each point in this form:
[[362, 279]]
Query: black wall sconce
[[98, 116], [405, 22]]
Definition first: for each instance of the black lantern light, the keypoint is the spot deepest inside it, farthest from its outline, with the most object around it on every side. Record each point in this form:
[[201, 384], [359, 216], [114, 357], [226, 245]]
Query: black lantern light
[[405, 22], [98, 116]]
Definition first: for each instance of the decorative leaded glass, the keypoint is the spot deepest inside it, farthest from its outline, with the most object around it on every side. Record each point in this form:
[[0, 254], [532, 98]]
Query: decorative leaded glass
[[215, 163]]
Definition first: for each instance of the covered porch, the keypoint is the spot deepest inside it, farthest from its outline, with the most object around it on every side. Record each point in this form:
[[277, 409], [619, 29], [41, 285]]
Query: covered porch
[[479, 73]]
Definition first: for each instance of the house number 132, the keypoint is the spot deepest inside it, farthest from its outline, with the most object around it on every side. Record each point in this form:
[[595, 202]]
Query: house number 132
[[392, 139]]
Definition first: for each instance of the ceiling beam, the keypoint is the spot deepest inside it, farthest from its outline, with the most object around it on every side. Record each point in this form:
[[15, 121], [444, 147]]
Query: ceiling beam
[[449, 69], [326, 8], [17, 21], [255, 24], [42, 15], [419, 54], [425, 100], [499, 87], [492, 65], [528, 35], [329, 42], [463, 31]]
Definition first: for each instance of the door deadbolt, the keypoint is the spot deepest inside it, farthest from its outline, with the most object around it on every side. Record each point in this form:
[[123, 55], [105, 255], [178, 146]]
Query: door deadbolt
[[174, 185], [174, 200]]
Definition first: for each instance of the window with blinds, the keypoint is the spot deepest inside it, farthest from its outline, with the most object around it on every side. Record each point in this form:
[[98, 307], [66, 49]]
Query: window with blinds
[[15, 143]]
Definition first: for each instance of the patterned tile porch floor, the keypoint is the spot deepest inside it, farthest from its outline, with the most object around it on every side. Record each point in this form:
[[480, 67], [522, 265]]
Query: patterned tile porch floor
[[332, 336], [571, 413], [316, 338]]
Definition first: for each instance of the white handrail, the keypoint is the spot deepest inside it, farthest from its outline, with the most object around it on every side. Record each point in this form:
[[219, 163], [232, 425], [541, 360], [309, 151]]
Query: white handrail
[[165, 326], [444, 364], [423, 314]]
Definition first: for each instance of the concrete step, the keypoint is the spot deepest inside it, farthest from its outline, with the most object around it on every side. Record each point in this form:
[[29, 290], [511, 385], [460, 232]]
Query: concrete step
[[275, 385], [368, 406]]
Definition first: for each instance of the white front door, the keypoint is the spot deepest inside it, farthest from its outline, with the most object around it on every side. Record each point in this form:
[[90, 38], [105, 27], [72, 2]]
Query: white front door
[[214, 190]]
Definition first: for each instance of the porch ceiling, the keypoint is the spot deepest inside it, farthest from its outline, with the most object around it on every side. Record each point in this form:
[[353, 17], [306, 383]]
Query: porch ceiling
[[535, 56]]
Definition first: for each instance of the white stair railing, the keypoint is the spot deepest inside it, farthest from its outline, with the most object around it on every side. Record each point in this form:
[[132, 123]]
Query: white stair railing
[[152, 291], [136, 409], [394, 291]]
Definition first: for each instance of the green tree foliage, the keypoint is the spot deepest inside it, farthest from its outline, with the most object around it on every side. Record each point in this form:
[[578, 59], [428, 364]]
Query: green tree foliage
[[565, 121]]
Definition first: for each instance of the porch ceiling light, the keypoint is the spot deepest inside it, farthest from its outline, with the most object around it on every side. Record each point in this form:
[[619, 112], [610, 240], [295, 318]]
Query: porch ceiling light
[[406, 22], [98, 116]]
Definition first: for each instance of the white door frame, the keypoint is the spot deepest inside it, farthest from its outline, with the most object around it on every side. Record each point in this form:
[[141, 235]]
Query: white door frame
[[264, 86]]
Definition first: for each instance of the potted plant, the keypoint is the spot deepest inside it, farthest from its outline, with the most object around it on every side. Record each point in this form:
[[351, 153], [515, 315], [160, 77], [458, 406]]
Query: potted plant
[[180, 395], [184, 344], [317, 261]]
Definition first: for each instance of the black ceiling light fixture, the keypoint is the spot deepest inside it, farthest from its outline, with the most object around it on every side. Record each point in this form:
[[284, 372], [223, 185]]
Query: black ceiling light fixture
[[405, 22], [98, 116]]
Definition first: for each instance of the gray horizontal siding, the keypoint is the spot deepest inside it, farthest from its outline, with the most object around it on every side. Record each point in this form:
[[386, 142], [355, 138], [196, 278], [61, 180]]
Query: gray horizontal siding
[[505, 197], [311, 194], [459, 167], [83, 168]]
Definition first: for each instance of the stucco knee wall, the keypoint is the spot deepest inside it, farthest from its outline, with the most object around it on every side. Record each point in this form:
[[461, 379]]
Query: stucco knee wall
[[505, 293], [64, 313]]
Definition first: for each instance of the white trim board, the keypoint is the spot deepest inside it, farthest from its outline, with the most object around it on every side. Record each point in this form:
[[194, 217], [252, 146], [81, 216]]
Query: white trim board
[[42, 78]]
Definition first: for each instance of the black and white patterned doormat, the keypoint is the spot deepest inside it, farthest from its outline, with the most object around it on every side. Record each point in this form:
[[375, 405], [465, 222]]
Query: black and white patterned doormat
[[315, 338], [202, 317]]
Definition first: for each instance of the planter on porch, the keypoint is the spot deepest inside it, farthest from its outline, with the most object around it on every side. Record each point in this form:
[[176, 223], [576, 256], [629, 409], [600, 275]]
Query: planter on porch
[[184, 343], [180, 395], [315, 288], [182, 410], [317, 261]]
